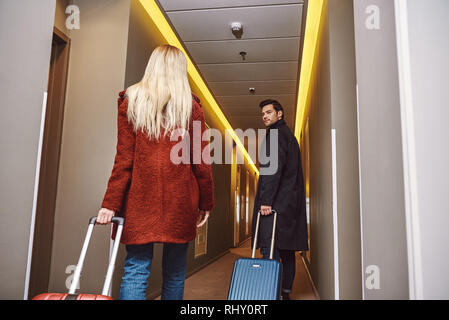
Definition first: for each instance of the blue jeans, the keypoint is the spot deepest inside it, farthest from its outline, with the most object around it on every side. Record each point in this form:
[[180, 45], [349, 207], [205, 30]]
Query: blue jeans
[[287, 258], [137, 271]]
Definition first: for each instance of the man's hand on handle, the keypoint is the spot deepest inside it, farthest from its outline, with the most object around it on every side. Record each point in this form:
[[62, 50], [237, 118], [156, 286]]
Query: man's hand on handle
[[105, 216], [265, 210], [204, 215]]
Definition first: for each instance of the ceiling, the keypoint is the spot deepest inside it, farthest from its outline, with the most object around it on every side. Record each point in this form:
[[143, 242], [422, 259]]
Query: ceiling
[[272, 36]]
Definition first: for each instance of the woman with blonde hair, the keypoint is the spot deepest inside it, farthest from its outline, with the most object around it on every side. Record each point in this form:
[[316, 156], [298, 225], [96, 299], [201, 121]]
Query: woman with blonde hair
[[161, 201]]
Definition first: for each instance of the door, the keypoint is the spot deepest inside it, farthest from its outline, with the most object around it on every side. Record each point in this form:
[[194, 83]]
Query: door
[[45, 212], [247, 212], [238, 207]]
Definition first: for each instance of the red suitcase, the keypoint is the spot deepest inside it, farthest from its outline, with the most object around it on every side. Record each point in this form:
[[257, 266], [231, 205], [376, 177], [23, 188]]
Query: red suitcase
[[104, 295]]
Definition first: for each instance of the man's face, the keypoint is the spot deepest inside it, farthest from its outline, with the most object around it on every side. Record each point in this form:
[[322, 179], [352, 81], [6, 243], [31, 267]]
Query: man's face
[[270, 116]]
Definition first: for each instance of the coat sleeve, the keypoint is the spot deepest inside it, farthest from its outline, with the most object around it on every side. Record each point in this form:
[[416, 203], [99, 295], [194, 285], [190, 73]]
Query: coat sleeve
[[201, 163], [123, 164], [270, 183]]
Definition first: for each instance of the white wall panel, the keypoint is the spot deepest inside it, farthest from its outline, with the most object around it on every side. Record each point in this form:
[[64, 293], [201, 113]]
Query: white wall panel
[[381, 164], [427, 131], [26, 29]]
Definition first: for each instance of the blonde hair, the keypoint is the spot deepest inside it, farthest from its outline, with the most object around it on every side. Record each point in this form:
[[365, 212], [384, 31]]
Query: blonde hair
[[163, 98]]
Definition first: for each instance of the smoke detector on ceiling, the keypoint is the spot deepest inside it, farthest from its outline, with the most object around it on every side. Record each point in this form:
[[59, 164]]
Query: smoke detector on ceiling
[[237, 29]]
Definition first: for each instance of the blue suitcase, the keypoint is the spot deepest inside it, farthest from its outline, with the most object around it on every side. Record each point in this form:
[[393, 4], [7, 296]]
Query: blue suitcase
[[257, 279]]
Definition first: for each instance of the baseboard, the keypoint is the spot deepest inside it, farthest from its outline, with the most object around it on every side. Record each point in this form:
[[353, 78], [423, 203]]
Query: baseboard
[[315, 291]]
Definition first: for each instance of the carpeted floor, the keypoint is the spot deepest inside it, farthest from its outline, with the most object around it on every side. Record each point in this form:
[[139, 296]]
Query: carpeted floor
[[212, 282]]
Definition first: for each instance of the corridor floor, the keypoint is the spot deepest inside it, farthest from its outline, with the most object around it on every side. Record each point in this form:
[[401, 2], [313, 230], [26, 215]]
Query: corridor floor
[[212, 282]]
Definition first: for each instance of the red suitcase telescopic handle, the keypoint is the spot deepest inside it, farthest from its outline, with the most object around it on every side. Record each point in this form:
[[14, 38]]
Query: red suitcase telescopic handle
[[76, 277], [272, 234], [118, 220]]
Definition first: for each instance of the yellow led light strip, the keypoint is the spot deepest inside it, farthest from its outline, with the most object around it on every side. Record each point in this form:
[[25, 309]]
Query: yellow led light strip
[[167, 33], [314, 14]]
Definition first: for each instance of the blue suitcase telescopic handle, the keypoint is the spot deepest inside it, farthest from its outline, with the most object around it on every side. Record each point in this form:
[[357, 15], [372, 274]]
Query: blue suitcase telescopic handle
[[272, 234]]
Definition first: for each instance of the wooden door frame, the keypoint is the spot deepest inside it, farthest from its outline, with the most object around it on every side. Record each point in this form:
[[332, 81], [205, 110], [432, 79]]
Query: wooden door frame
[[46, 202]]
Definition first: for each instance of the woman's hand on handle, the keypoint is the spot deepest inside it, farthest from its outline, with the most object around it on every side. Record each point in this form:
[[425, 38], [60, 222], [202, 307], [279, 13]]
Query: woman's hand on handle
[[204, 215], [105, 216]]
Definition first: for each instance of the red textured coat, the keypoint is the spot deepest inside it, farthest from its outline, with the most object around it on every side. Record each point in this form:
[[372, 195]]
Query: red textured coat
[[159, 199]]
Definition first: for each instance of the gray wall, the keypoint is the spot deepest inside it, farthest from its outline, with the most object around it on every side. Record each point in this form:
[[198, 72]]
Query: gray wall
[[61, 17], [142, 40], [26, 29], [333, 106], [320, 122], [381, 180], [344, 121], [96, 75], [429, 66]]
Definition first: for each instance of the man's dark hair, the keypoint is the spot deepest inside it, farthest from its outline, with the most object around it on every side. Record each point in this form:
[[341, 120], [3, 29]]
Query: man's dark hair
[[277, 106]]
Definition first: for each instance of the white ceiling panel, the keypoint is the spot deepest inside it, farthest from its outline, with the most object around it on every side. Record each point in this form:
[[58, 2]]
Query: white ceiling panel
[[257, 50], [261, 87], [247, 112], [214, 24], [257, 120], [243, 118], [253, 111], [170, 5], [250, 71], [249, 122], [244, 112], [254, 100], [246, 123]]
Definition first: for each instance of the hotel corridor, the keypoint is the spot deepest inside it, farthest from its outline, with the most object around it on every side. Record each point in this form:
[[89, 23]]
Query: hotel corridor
[[363, 89]]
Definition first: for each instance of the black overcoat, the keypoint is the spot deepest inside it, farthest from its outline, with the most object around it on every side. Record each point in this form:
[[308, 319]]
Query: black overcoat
[[284, 191]]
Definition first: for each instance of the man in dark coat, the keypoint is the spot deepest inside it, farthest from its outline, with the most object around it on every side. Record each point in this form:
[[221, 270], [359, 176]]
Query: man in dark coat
[[282, 191]]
